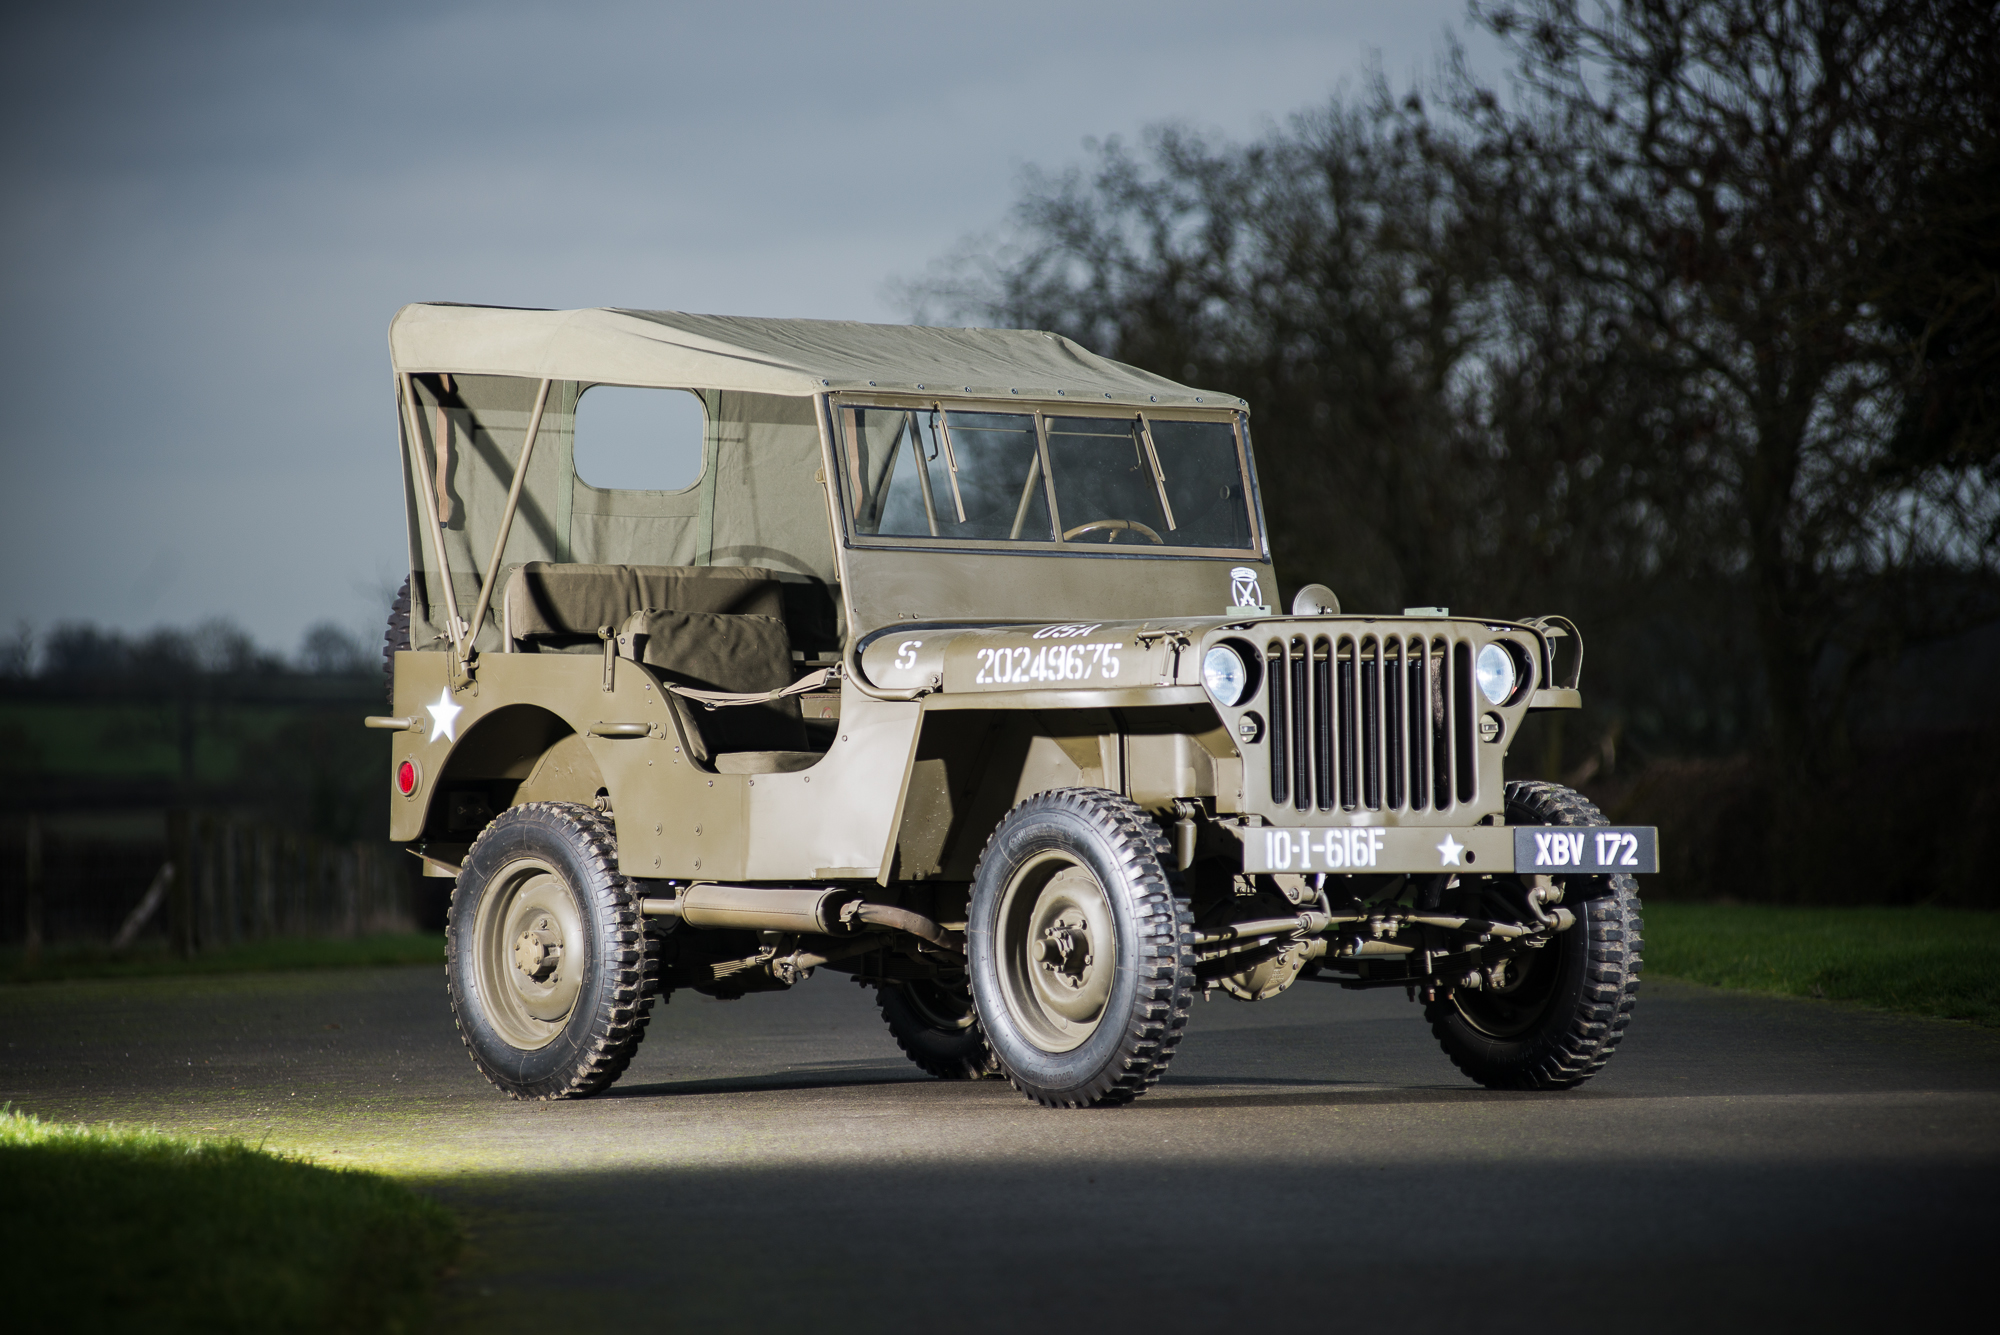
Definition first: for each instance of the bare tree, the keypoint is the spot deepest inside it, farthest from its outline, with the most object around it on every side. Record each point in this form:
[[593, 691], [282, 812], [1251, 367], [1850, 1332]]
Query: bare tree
[[1440, 420], [1696, 333], [1321, 272], [1744, 182]]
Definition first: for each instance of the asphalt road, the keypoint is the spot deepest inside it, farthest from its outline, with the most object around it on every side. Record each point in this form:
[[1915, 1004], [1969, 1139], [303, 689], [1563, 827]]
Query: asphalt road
[[1312, 1160]]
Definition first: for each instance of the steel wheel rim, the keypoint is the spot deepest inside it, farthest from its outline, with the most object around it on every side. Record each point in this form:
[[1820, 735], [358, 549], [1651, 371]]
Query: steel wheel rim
[[1057, 951], [526, 909]]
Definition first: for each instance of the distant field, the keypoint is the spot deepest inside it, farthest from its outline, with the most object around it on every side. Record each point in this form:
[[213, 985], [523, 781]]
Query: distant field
[[133, 739], [1922, 961], [154, 958], [118, 1230]]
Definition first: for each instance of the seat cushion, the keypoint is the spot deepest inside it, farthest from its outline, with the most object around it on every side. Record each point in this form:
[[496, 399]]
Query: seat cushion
[[710, 651], [713, 651], [550, 601]]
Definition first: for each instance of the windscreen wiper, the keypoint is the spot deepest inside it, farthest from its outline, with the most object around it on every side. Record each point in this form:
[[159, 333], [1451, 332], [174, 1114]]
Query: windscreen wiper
[[940, 425], [1159, 473]]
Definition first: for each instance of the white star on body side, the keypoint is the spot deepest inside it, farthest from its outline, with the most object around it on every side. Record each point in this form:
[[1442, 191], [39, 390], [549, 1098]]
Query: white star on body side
[[444, 717], [1448, 852]]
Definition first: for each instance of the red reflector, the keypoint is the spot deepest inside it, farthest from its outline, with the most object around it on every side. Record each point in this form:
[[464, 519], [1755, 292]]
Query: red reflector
[[406, 778]]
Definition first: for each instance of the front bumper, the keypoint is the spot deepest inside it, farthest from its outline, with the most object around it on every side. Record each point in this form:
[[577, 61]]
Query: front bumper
[[1468, 849]]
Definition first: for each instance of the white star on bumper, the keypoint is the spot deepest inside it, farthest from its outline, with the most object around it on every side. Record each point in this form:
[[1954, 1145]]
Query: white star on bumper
[[1448, 852], [444, 717]]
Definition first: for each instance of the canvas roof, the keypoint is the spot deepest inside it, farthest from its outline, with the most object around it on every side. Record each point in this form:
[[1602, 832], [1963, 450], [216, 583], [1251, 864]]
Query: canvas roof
[[790, 357]]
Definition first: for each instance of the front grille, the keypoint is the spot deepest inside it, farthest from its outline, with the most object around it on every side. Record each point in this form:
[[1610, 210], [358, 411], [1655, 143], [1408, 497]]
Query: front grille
[[1370, 723]]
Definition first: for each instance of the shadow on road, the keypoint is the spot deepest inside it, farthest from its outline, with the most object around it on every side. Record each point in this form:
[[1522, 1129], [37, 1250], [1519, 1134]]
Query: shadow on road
[[1573, 1238]]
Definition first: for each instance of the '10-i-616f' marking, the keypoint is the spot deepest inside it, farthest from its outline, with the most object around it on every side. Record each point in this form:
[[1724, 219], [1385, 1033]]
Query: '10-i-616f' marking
[[1051, 662], [1597, 850], [1333, 848]]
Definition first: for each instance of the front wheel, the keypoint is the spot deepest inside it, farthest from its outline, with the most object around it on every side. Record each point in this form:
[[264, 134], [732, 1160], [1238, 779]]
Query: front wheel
[[1079, 949], [1561, 1011], [545, 954]]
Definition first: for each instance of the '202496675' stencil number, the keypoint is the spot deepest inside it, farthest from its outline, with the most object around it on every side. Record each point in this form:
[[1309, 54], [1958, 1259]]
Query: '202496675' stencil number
[[1048, 662]]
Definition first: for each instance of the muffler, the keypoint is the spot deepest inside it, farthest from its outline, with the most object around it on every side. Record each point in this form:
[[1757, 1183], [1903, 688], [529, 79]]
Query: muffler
[[759, 908]]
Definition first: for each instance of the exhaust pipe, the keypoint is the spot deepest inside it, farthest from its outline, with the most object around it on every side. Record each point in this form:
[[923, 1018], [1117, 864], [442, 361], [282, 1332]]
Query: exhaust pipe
[[809, 911], [757, 908]]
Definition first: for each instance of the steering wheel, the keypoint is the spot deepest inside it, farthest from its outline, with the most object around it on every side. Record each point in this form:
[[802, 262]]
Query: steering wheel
[[1115, 527]]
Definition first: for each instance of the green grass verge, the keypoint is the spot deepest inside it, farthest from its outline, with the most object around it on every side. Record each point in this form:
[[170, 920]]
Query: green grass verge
[[1922, 961], [154, 958], [135, 1230]]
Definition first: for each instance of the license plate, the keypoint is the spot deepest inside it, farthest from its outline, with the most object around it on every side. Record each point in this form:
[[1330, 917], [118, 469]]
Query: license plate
[[1377, 848], [1592, 849], [1523, 849]]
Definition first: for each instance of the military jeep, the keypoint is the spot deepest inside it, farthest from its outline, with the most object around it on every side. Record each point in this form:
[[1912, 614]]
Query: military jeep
[[952, 667]]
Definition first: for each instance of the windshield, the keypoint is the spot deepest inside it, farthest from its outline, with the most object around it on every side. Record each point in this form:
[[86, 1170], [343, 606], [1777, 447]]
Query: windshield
[[1134, 481]]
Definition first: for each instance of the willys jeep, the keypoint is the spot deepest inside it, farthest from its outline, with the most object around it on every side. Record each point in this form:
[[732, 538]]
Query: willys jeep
[[953, 670]]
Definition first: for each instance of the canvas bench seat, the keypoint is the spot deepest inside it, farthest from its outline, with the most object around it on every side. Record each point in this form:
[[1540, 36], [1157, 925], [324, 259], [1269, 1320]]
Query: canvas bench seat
[[547, 603], [710, 628]]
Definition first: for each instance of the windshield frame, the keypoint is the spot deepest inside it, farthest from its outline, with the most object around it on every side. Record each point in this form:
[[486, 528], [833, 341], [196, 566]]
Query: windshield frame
[[847, 486]]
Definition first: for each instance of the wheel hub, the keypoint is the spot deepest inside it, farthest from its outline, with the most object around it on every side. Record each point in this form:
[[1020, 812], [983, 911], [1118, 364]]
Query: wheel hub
[[1063, 950], [538, 950]]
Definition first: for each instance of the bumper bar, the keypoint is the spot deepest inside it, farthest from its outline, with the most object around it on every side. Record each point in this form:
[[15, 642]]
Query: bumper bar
[[1554, 850]]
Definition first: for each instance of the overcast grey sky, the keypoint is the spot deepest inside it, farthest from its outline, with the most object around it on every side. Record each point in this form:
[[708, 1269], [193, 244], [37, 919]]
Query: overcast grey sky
[[212, 210]]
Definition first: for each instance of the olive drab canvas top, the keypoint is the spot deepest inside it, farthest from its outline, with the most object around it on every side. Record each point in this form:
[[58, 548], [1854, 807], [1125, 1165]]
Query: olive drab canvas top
[[760, 356], [885, 473]]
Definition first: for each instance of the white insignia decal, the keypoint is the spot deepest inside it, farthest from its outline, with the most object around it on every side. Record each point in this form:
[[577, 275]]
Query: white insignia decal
[[1448, 852], [1244, 589], [444, 717]]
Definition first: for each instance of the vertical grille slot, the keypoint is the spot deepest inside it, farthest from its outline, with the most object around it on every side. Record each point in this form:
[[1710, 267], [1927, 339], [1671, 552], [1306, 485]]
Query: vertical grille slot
[[1393, 731], [1277, 693], [1370, 664], [1323, 726], [1464, 717], [1347, 725], [1302, 766], [1440, 726], [1419, 724]]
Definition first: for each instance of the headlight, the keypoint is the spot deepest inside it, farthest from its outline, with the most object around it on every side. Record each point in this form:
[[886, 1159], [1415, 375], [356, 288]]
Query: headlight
[[1496, 674], [1225, 675]]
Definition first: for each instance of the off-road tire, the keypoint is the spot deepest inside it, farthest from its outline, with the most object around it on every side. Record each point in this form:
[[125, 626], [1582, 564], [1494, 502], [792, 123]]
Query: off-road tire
[[562, 848], [395, 639], [1085, 835], [1591, 975], [923, 1019]]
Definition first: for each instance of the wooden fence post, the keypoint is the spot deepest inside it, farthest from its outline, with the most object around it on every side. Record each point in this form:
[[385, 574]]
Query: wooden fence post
[[32, 943], [181, 901], [206, 926], [267, 909]]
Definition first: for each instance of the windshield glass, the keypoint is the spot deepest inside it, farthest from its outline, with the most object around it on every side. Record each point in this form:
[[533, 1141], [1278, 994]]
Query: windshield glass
[[1131, 481], [920, 473]]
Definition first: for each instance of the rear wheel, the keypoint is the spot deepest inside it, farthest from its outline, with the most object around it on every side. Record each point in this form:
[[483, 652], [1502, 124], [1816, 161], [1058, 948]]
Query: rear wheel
[[1558, 1016], [550, 977], [1079, 949], [935, 1026], [396, 638]]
